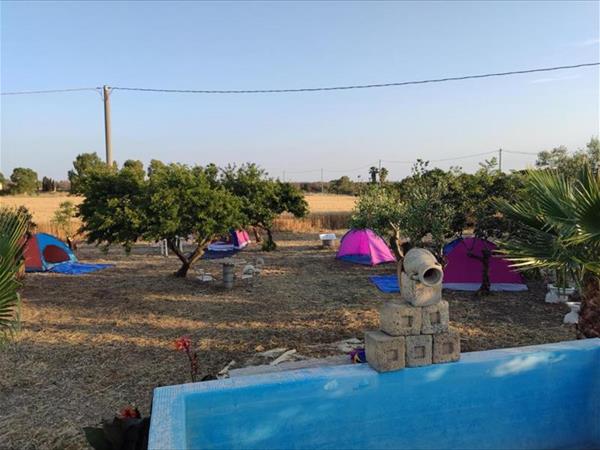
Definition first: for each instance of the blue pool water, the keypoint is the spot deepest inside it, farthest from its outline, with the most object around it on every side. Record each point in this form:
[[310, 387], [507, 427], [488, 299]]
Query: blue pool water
[[540, 397]]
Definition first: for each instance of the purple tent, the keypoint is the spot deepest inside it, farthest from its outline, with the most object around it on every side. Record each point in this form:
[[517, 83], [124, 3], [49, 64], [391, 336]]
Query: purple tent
[[463, 272], [364, 247]]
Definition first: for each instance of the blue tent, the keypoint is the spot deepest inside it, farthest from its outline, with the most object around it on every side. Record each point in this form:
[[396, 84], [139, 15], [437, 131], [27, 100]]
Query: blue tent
[[44, 251]]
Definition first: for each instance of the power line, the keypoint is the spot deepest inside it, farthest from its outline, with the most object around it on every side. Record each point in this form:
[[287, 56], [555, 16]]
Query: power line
[[49, 91], [316, 89], [520, 153], [358, 86], [367, 166], [454, 158]]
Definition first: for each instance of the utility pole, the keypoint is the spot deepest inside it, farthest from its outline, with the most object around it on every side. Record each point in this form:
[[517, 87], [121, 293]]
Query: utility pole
[[500, 160], [107, 139], [322, 188]]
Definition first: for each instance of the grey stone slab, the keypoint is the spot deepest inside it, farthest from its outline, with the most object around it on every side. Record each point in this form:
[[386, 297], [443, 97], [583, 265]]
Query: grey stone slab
[[446, 347], [435, 318], [419, 350], [384, 352], [293, 365], [400, 319]]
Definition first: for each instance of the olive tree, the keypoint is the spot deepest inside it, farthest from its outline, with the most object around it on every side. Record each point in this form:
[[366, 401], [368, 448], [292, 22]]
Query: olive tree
[[185, 202], [262, 199], [380, 209], [84, 165], [485, 190], [173, 201], [413, 213]]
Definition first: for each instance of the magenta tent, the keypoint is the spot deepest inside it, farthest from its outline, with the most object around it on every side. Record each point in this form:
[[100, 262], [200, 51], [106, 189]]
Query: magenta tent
[[364, 246], [463, 272]]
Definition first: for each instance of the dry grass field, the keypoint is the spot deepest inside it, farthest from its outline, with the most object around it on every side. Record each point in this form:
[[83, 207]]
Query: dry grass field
[[327, 211], [42, 206], [90, 344]]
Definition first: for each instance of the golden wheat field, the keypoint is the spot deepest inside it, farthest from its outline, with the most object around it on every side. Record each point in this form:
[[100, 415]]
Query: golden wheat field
[[42, 206], [327, 211]]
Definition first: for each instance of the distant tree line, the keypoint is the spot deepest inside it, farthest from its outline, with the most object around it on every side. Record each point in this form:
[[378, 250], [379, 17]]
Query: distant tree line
[[25, 181]]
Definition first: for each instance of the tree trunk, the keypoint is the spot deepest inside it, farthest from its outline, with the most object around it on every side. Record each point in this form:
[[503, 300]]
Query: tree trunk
[[589, 316], [395, 245], [484, 289], [183, 270], [257, 235], [269, 244], [186, 262], [484, 259]]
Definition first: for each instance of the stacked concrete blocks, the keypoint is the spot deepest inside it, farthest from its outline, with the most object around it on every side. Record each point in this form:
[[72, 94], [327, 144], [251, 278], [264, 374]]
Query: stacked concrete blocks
[[414, 332]]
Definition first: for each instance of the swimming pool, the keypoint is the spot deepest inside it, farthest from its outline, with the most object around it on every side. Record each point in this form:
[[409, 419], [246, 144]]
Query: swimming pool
[[545, 396]]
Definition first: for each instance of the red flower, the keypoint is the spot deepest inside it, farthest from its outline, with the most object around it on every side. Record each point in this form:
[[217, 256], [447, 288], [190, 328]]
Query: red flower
[[183, 343], [129, 412]]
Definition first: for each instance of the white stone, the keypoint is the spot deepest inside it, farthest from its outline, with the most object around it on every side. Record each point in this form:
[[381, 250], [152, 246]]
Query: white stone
[[573, 315]]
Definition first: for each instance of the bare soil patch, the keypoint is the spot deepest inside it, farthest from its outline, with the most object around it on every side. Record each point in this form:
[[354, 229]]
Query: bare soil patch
[[90, 344]]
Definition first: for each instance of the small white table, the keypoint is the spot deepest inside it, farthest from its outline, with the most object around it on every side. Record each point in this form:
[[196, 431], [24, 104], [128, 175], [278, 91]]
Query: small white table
[[327, 239]]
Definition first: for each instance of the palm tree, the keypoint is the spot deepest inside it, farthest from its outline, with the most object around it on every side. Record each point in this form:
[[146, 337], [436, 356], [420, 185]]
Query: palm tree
[[373, 171], [560, 220], [13, 226]]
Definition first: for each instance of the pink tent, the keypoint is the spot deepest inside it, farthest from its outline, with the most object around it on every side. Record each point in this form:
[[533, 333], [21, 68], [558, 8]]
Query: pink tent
[[240, 238], [463, 271], [364, 247]]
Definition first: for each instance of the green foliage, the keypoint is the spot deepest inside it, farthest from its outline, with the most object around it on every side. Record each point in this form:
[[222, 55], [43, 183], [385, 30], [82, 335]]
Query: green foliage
[[13, 226], [48, 184], [257, 193], [184, 201], [380, 209], [416, 209], [136, 167], [373, 172], [84, 165], [63, 217], [343, 186], [174, 201], [570, 164], [560, 218], [23, 181], [2, 180], [290, 199], [428, 217], [486, 188], [262, 199], [383, 174], [114, 210]]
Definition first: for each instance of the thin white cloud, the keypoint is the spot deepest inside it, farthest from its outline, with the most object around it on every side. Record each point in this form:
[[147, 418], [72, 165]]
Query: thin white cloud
[[553, 79]]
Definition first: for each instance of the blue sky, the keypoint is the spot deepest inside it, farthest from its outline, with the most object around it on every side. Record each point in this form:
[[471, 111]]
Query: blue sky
[[243, 45]]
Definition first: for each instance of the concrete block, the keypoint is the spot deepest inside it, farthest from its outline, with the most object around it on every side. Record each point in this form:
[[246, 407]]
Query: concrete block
[[417, 293], [384, 352], [400, 319], [446, 347], [435, 318], [418, 350]]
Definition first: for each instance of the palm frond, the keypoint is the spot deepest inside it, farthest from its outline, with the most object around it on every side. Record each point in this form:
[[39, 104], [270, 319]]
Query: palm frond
[[12, 240], [560, 220]]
